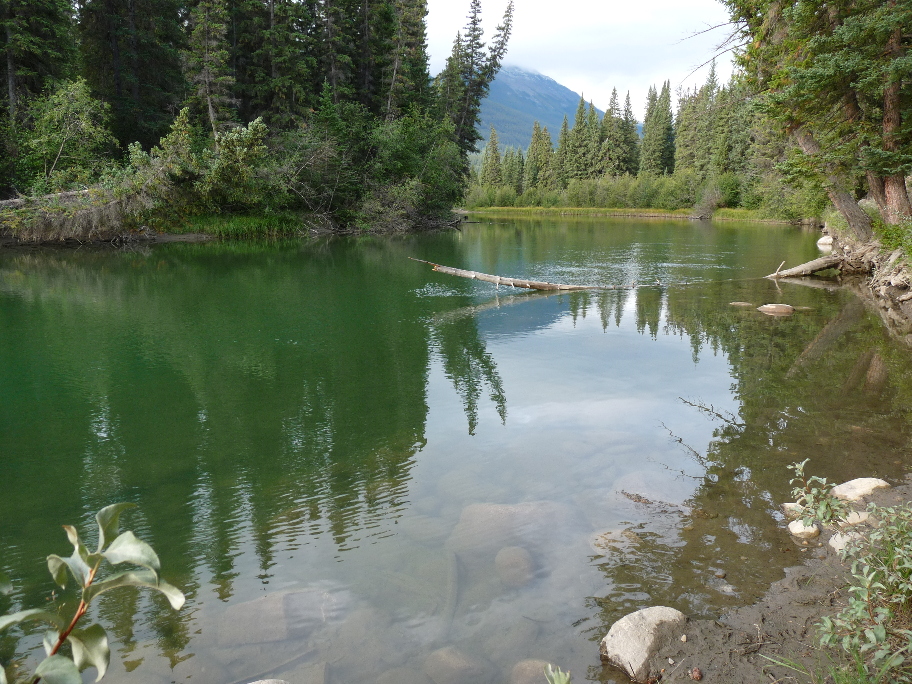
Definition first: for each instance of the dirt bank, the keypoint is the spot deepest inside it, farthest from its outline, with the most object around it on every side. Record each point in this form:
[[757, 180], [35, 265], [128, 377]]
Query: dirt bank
[[735, 649]]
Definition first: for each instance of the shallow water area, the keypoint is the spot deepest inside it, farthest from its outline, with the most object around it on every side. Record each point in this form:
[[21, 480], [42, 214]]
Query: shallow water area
[[360, 470]]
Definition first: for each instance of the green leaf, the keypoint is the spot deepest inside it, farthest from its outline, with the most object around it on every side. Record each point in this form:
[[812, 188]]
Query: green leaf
[[108, 519], [50, 640], [135, 578], [34, 614], [57, 669], [90, 649], [128, 549], [76, 564]]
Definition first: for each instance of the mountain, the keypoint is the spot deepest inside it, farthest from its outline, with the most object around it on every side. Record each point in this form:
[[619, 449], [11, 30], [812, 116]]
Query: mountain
[[517, 99]]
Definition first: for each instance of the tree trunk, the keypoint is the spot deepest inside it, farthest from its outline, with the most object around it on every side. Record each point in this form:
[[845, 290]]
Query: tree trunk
[[876, 189], [809, 268], [516, 282], [858, 220], [897, 196]]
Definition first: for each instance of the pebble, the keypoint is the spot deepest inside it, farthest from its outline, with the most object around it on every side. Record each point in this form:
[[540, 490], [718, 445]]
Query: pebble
[[684, 638], [719, 574], [671, 661], [798, 529]]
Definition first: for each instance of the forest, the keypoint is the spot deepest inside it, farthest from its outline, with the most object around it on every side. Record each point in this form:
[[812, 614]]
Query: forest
[[817, 117], [136, 112]]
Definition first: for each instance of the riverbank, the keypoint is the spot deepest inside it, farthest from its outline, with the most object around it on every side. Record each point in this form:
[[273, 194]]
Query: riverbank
[[743, 645], [595, 212]]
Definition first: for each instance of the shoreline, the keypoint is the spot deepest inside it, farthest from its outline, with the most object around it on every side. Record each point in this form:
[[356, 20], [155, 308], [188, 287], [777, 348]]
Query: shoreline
[[737, 647]]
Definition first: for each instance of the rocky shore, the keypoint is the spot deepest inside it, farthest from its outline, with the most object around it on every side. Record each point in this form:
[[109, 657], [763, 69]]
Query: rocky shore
[[742, 646]]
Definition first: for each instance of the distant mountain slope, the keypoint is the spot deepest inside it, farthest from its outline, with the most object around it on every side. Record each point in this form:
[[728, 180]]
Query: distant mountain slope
[[520, 97]]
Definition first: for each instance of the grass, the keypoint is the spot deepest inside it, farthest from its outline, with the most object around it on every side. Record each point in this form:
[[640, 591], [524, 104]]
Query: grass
[[240, 226], [582, 211]]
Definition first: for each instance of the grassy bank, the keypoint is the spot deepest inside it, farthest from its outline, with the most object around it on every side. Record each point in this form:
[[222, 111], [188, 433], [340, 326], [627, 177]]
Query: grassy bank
[[240, 226], [719, 215]]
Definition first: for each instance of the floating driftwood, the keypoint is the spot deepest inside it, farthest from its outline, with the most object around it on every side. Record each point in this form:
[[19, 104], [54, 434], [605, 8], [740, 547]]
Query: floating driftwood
[[516, 282], [820, 264]]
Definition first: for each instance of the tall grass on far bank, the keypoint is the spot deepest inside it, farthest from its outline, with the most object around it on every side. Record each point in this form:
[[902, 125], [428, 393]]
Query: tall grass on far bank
[[242, 226]]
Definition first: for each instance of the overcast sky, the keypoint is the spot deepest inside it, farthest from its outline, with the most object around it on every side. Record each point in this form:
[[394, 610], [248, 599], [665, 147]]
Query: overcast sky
[[591, 46]]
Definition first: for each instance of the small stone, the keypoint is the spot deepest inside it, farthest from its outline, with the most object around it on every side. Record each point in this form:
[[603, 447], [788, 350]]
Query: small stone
[[671, 661], [776, 309], [696, 675], [684, 638], [798, 529], [687, 528], [857, 489], [719, 574], [726, 589], [740, 304]]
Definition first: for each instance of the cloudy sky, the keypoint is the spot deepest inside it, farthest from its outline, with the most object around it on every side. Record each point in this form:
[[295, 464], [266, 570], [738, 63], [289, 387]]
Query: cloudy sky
[[591, 46]]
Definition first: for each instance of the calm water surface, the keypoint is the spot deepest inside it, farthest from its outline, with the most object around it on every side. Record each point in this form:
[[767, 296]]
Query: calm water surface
[[348, 461]]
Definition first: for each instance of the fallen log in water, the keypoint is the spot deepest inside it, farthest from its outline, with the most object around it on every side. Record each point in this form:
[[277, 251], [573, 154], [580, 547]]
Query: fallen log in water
[[820, 264], [516, 282]]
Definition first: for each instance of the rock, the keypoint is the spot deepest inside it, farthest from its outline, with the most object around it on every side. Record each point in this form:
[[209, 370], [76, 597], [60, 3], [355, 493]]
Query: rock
[[504, 645], [403, 675], [449, 665], [776, 309], [514, 566], [857, 489], [792, 509], [825, 241], [635, 638], [528, 672], [856, 518], [269, 681], [740, 304], [801, 531], [840, 540]]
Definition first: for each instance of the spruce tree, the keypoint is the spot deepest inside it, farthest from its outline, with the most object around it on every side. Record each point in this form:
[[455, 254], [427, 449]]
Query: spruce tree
[[630, 157], [574, 155], [613, 149], [657, 153], [491, 170], [206, 61], [407, 80], [559, 171], [38, 45]]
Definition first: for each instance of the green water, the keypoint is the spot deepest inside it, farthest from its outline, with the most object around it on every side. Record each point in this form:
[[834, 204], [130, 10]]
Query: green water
[[330, 444]]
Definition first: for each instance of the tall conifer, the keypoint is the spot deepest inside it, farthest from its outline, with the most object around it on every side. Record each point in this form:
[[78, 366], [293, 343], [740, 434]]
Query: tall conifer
[[491, 170]]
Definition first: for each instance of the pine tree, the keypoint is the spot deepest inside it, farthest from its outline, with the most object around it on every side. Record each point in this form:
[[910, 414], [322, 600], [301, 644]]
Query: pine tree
[[574, 155], [407, 81], [38, 45], [131, 53], [630, 157], [592, 142], [559, 171], [469, 71], [491, 169], [657, 154], [206, 61], [612, 152]]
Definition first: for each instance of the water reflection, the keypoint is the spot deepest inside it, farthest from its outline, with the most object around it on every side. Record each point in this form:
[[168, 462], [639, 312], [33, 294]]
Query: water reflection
[[292, 419]]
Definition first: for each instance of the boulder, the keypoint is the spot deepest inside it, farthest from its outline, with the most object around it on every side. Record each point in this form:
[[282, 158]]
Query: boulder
[[514, 566], [635, 638], [528, 672], [841, 539], [449, 665], [801, 531], [857, 489], [776, 309], [792, 509], [856, 518], [825, 241]]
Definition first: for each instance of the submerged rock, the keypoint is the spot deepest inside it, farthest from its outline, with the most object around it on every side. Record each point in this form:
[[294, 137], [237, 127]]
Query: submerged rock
[[635, 638], [514, 566], [792, 509], [449, 665], [776, 309], [528, 672], [841, 539], [857, 489]]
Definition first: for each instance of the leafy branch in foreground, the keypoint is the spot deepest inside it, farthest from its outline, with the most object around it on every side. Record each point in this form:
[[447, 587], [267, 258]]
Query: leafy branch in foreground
[[89, 645]]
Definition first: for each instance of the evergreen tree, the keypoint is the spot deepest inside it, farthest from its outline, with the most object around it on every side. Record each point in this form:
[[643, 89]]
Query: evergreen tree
[[468, 74], [695, 127], [574, 155], [491, 169], [613, 142], [592, 142], [630, 156], [206, 61], [408, 80], [38, 45], [513, 164], [657, 154], [559, 171]]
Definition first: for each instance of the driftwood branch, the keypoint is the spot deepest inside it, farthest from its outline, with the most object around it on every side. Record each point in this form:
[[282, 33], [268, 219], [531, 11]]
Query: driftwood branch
[[821, 264], [516, 282]]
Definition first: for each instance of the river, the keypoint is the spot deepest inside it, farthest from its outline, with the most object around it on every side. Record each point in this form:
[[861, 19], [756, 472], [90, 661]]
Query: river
[[359, 470]]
